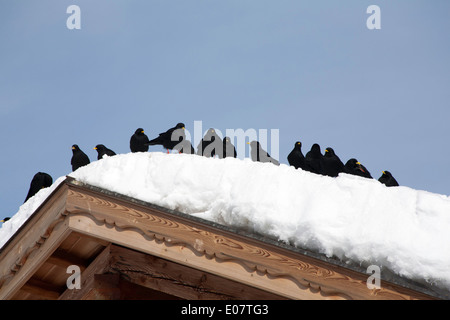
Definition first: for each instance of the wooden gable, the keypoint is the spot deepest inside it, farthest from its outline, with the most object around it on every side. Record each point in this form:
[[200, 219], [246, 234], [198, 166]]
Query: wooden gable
[[129, 249]]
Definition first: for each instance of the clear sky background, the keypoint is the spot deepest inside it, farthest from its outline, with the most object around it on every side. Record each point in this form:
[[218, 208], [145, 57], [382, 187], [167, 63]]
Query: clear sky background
[[311, 69]]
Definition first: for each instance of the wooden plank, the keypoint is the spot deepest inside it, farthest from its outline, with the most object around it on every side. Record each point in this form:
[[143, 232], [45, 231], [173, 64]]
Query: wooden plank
[[41, 290], [32, 259], [213, 250], [104, 287], [98, 266], [31, 262], [230, 269], [185, 256], [63, 259], [179, 280], [81, 246], [114, 287], [35, 241], [132, 291]]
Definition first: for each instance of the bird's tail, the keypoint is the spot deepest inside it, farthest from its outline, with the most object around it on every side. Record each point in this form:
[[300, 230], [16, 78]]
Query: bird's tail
[[153, 142]]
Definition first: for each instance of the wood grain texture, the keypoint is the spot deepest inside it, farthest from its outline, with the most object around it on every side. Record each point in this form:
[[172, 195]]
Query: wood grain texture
[[178, 280], [98, 266], [33, 244]]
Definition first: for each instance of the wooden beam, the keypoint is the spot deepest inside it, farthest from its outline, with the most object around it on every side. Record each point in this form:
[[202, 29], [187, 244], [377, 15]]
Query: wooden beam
[[113, 287], [230, 269], [179, 280], [98, 266], [41, 290], [104, 287], [63, 260], [131, 291]]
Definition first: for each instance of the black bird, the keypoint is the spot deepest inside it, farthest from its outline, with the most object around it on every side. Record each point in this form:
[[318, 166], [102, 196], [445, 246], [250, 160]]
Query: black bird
[[138, 141], [354, 167], [296, 157], [210, 145], [259, 154], [5, 219], [332, 165], [314, 159], [387, 179], [229, 151], [102, 150], [40, 180], [79, 158], [170, 138]]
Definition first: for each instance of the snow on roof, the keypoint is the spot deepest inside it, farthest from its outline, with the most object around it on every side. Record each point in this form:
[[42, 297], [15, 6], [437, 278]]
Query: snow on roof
[[354, 219]]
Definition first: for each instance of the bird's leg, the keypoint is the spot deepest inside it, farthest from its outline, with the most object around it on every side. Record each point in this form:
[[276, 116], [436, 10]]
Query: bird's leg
[[167, 151]]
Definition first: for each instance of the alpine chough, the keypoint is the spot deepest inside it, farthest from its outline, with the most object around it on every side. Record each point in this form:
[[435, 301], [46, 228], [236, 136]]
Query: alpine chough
[[138, 141], [40, 180], [102, 150], [79, 158]]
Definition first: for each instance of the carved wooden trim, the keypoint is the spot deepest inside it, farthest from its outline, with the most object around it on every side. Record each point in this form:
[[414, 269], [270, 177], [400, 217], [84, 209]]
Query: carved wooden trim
[[33, 243]]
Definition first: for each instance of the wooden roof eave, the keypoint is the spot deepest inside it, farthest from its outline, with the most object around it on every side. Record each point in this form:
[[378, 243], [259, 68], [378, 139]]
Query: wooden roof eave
[[246, 258]]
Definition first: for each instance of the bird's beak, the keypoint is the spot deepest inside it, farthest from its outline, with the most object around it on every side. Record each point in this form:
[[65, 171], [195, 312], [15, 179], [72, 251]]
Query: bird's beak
[[183, 128], [326, 150], [142, 131], [95, 148], [248, 142], [358, 163], [2, 221], [73, 148], [383, 172]]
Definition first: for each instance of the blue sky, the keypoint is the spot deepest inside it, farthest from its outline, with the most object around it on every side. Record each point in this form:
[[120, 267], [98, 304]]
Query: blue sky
[[311, 69]]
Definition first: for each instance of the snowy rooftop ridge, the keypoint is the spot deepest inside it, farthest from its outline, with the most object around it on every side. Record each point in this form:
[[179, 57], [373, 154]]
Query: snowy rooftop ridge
[[355, 219]]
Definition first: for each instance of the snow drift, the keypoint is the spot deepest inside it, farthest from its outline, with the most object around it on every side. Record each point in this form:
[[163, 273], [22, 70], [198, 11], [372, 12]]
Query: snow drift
[[354, 219]]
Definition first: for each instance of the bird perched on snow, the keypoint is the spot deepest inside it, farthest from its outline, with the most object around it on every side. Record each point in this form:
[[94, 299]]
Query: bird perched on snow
[[259, 154], [138, 141], [387, 179], [314, 159], [210, 145], [229, 151], [79, 158], [332, 165], [5, 219], [40, 180], [102, 150], [355, 167], [170, 138], [296, 157]]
